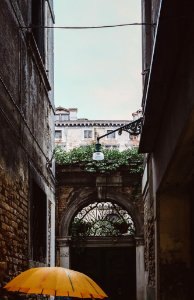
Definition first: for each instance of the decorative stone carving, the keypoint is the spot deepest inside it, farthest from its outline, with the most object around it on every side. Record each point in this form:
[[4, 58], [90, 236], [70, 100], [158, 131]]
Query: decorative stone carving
[[64, 252]]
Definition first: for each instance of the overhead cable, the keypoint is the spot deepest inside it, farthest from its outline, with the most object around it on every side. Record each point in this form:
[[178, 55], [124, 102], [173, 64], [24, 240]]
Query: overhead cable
[[90, 27]]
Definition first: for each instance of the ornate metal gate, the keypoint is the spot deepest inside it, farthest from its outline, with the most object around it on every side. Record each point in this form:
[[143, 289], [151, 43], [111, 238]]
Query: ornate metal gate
[[103, 247]]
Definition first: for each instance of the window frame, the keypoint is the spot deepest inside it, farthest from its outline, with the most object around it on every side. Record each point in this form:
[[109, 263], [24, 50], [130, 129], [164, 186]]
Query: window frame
[[88, 130], [58, 130], [111, 136], [37, 22], [38, 223]]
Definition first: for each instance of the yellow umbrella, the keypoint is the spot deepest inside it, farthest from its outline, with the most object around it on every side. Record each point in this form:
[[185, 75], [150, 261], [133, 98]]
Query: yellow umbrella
[[55, 281]]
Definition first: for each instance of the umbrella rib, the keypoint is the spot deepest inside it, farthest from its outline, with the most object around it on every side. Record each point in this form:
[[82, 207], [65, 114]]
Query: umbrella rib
[[70, 280], [92, 286]]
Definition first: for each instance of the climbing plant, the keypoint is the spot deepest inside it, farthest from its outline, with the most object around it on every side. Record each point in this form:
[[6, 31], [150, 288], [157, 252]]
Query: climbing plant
[[113, 159]]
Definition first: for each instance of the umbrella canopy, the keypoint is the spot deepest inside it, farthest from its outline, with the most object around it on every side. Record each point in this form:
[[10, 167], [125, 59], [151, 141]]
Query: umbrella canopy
[[55, 281]]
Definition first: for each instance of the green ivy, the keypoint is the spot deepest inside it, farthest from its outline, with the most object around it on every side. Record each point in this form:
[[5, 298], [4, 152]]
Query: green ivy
[[113, 159]]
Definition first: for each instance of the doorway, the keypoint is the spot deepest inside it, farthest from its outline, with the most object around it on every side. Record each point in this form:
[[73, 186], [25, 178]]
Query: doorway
[[112, 268]]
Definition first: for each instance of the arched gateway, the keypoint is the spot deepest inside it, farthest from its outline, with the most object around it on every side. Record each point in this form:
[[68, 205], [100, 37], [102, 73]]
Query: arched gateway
[[100, 229]]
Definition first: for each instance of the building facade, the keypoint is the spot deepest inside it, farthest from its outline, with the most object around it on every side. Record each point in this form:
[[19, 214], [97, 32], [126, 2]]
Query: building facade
[[71, 132], [167, 141], [27, 206], [94, 217]]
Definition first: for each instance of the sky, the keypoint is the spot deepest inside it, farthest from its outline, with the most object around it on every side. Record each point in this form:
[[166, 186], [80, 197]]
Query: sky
[[98, 71]]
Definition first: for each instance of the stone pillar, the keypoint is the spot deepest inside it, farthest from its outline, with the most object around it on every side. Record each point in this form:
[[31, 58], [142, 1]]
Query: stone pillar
[[64, 252], [64, 257], [140, 272], [52, 235]]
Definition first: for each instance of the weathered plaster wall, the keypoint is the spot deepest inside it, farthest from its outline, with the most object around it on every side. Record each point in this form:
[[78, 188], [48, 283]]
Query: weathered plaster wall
[[167, 136], [73, 135], [175, 244], [26, 140]]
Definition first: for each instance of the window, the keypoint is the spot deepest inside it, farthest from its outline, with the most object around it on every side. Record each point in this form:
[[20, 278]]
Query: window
[[58, 134], [57, 117], [64, 117], [102, 219], [87, 134], [38, 225], [38, 20], [111, 135], [112, 146], [115, 146]]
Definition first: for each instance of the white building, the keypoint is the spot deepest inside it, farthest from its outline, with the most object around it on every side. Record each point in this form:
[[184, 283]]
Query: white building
[[71, 132]]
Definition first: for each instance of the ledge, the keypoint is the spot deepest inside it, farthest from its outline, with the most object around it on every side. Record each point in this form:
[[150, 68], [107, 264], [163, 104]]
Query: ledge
[[97, 241]]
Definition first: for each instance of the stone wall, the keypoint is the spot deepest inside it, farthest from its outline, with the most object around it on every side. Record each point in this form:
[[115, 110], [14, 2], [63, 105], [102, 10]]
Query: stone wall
[[26, 138], [77, 188], [149, 231]]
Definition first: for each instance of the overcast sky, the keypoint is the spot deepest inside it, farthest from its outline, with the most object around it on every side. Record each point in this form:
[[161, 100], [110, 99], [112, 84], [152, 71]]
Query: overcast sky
[[98, 71]]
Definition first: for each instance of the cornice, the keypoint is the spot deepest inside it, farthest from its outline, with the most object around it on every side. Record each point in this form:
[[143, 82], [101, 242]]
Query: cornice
[[101, 123]]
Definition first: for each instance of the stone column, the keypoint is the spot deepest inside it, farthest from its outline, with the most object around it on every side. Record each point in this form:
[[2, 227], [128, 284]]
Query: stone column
[[52, 234], [140, 272], [64, 252]]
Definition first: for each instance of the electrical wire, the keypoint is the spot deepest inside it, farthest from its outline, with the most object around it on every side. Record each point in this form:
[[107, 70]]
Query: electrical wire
[[90, 27]]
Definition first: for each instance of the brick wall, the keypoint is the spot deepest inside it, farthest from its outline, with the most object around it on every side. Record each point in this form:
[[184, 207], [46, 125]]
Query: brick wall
[[13, 225]]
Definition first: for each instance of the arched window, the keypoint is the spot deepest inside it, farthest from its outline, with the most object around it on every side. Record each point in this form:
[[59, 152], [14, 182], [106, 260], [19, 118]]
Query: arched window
[[102, 219]]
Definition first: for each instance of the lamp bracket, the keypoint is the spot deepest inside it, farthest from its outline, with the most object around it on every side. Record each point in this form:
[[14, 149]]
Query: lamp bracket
[[133, 128]]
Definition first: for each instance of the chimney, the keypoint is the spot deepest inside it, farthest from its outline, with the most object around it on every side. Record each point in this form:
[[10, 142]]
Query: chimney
[[73, 114], [136, 115]]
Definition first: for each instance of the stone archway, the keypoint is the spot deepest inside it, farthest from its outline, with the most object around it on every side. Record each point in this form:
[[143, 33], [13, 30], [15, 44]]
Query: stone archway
[[81, 197], [77, 189]]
